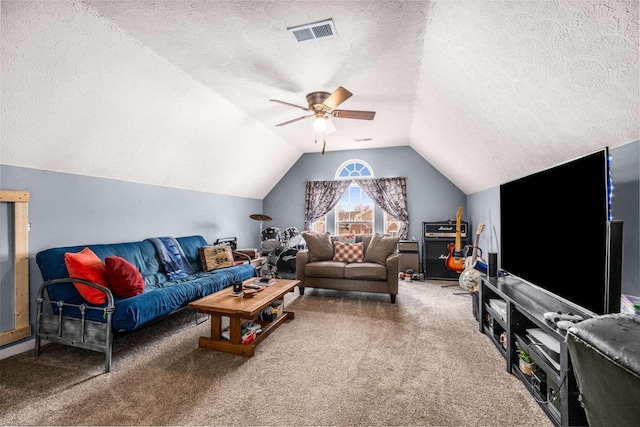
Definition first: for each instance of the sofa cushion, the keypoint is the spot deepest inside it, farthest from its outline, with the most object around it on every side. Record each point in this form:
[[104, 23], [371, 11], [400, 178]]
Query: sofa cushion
[[155, 302], [365, 271], [214, 257], [345, 238], [124, 278], [348, 252], [380, 248], [319, 245], [86, 265], [333, 269]]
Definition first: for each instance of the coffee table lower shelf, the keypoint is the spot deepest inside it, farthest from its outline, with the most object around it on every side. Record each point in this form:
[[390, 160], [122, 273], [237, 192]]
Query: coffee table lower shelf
[[235, 346], [224, 304]]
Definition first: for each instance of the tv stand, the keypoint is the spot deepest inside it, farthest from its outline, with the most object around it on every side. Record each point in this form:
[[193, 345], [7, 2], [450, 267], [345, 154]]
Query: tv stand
[[511, 314]]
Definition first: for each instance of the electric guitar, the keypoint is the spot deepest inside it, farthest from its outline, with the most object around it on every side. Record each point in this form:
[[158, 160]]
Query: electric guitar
[[469, 277], [455, 259]]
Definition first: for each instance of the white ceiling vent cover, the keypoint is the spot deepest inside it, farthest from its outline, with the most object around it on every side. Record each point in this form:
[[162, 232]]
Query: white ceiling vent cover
[[312, 32]]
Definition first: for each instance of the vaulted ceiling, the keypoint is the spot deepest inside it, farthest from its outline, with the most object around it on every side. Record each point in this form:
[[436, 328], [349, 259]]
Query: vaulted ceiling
[[485, 91]]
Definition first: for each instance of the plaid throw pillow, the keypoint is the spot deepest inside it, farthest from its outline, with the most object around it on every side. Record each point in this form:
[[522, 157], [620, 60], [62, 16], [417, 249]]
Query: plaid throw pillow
[[348, 252]]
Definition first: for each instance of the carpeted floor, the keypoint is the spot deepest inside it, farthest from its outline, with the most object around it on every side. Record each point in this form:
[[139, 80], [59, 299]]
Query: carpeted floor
[[347, 359]]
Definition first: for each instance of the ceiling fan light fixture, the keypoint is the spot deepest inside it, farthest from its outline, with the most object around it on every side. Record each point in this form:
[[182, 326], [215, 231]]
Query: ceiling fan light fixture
[[330, 127], [320, 124]]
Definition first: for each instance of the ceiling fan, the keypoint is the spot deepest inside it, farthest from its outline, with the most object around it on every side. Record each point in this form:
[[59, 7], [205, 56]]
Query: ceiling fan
[[322, 105]]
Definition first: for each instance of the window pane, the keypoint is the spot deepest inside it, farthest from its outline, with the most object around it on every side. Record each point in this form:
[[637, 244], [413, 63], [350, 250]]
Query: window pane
[[320, 225], [391, 225], [354, 212]]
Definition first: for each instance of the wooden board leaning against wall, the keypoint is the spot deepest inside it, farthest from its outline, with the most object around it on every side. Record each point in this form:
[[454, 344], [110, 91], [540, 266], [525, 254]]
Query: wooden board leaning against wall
[[21, 328]]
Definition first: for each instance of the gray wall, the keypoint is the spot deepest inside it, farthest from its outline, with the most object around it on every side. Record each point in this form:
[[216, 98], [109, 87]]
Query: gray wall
[[484, 207], [430, 196], [74, 210], [70, 209], [625, 206]]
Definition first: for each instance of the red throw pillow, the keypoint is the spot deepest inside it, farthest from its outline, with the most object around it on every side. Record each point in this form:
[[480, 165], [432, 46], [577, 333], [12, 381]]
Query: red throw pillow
[[348, 252], [124, 278], [86, 265]]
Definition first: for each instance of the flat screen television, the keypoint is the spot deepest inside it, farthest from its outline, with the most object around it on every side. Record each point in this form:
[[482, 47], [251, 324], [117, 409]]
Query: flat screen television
[[556, 233]]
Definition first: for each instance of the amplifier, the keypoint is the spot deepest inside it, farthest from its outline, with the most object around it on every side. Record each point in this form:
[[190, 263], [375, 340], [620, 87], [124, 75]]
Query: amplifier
[[434, 258], [407, 246], [443, 229]]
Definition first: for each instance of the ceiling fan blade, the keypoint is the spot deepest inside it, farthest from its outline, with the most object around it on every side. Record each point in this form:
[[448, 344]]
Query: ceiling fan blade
[[295, 120], [337, 97], [291, 105], [353, 114]]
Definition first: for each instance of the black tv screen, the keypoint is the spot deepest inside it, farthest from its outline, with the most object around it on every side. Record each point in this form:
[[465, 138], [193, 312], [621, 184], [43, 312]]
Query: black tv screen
[[553, 230]]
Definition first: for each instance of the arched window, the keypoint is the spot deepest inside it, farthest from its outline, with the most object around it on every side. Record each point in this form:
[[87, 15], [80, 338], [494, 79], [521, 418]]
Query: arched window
[[355, 212]]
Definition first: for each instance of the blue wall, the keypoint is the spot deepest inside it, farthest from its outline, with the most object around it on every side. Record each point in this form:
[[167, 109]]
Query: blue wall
[[67, 209], [70, 209], [430, 195], [484, 207]]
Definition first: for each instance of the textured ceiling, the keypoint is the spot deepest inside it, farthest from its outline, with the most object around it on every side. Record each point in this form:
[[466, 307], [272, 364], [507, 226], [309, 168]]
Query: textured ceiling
[[242, 51], [486, 91]]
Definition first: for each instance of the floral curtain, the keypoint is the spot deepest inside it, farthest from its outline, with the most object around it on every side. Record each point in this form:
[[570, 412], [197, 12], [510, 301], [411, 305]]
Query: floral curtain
[[321, 197], [389, 194]]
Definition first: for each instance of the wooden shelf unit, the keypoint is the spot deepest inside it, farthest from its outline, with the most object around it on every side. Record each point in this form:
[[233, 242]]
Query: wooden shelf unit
[[525, 308]]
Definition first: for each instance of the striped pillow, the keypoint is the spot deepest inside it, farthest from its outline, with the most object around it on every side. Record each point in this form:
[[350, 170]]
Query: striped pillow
[[348, 252]]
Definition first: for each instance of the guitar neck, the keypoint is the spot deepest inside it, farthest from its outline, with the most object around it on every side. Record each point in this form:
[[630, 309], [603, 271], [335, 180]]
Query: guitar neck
[[474, 256], [458, 217]]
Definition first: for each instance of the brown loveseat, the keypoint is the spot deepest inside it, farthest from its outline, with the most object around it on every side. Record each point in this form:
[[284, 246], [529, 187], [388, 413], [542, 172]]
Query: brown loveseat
[[370, 265]]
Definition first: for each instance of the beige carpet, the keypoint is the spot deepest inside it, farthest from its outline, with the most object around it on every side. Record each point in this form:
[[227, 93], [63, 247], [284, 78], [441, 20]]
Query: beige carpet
[[346, 359]]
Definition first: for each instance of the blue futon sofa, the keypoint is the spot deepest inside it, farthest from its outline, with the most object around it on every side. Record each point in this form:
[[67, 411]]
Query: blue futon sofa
[[65, 317]]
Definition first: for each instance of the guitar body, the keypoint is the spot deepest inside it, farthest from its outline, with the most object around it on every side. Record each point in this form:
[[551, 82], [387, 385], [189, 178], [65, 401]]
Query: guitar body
[[455, 261], [470, 278]]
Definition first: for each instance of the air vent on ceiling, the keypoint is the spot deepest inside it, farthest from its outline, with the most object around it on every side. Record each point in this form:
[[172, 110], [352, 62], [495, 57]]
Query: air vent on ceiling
[[363, 139], [312, 32]]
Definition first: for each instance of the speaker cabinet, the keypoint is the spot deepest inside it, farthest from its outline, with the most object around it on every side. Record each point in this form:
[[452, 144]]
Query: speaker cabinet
[[493, 264], [409, 260], [434, 257], [613, 267], [408, 255]]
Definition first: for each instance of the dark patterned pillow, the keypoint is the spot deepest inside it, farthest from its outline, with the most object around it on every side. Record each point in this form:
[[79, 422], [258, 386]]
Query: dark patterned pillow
[[214, 257], [348, 252]]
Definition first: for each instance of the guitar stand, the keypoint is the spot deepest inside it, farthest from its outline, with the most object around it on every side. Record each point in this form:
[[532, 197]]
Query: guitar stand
[[451, 284]]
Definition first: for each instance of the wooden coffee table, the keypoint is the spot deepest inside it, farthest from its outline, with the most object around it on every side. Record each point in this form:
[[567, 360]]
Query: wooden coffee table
[[223, 303]]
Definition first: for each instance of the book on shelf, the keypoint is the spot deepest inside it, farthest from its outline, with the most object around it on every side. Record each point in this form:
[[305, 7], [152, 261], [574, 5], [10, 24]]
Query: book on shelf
[[248, 332], [545, 343]]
